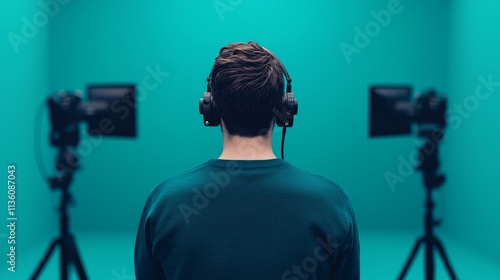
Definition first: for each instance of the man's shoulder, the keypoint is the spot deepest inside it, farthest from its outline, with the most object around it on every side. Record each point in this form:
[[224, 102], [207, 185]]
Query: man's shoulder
[[314, 181], [177, 184]]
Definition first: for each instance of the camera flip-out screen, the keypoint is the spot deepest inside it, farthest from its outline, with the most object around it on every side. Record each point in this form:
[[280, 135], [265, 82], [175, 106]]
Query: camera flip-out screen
[[389, 107], [115, 110]]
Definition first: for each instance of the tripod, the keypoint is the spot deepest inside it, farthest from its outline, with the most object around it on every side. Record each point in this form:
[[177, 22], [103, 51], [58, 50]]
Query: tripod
[[429, 164], [67, 163]]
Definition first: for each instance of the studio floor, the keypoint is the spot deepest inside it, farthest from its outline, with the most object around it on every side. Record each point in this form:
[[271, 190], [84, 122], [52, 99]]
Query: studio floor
[[109, 256]]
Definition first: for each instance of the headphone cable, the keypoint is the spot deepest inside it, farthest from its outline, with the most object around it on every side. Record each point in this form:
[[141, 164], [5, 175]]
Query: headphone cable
[[283, 142]]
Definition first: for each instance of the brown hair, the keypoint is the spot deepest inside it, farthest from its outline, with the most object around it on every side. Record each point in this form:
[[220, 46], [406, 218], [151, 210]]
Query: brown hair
[[247, 86]]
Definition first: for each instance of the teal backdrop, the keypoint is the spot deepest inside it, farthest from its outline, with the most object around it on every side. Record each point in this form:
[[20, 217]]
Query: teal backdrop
[[116, 42], [472, 151], [25, 85], [334, 51]]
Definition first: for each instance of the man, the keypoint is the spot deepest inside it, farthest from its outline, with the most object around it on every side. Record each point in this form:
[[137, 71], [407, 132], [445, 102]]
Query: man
[[247, 214]]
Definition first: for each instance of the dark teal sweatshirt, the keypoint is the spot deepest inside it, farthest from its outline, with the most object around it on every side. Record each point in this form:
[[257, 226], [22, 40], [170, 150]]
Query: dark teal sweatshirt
[[237, 220]]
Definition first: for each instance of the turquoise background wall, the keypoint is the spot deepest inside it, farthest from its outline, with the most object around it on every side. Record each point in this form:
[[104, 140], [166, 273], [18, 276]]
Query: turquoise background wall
[[472, 193], [24, 76], [116, 41], [445, 44]]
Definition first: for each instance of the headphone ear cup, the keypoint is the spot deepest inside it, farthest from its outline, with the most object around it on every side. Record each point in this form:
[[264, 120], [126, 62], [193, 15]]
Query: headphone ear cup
[[289, 108], [209, 111]]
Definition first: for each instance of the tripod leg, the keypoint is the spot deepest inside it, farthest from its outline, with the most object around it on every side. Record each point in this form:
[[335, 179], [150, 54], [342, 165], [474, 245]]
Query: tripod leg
[[65, 258], [75, 257], [410, 259], [45, 258], [444, 256], [429, 258]]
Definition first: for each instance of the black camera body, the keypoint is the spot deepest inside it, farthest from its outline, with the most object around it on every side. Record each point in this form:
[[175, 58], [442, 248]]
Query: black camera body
[[64, 117], [430, 114]]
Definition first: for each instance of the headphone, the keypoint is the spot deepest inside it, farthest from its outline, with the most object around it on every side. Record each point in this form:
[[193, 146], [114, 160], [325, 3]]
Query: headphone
[[284, 115]]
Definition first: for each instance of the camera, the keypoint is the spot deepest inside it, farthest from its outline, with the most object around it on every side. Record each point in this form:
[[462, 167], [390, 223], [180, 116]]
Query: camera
[[392, 112], [110, 111]]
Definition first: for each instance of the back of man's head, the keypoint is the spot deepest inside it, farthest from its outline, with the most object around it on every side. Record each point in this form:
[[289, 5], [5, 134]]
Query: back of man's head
[[247, 86]]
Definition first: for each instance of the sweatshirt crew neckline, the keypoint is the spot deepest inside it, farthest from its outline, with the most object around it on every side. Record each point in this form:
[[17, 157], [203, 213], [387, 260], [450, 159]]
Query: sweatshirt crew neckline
[[247, 163]]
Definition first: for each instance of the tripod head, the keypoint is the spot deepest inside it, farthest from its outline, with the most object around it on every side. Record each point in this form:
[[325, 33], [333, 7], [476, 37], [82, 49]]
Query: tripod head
[[66, 164], [429, 164], [431, 121]]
